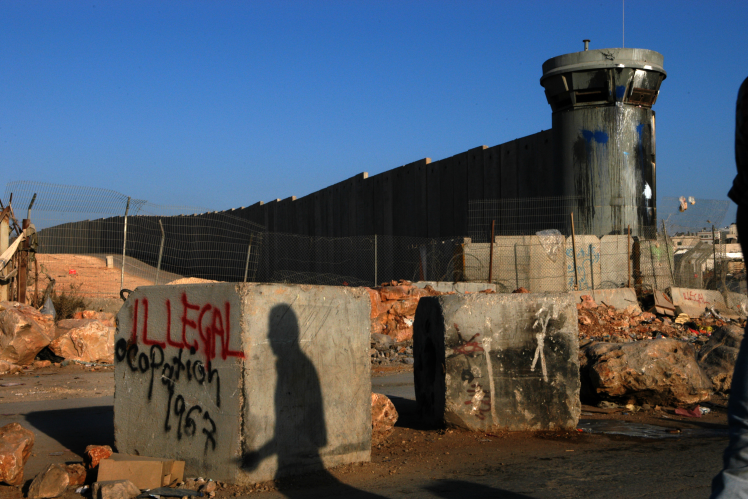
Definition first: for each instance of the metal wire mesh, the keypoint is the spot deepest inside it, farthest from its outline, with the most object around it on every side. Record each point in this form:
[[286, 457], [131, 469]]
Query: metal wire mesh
[[81, 235]]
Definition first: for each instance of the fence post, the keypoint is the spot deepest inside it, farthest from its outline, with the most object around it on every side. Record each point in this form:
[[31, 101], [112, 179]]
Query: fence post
[[667, 249], [490, 256], [160, 250], [592, 270], [574, 253], [124, 246], [376, 261], [249, 252], [651, 261], [4, 240], [628, 254], [714, 256]]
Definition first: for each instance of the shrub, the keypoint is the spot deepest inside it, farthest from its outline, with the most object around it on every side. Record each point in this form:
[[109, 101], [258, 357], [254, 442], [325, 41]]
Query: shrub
[[67, 302]]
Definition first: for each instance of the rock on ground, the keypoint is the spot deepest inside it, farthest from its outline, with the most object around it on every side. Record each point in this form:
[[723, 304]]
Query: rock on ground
[[95, 453], [24, 331], [51, 482], [106, 318], [9, 368], [114, 489], [16, 443], [383, 418], [661, 372], [87, 340], [717, 357], [77, 473]]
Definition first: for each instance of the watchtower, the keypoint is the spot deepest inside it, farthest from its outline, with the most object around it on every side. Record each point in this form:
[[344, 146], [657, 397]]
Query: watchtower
[[604, 134]]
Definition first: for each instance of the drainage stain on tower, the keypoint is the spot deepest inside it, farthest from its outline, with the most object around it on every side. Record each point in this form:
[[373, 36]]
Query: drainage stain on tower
[[604, 134]]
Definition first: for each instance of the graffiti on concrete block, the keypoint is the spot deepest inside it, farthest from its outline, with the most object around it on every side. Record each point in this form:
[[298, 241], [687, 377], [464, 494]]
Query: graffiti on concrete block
[[175, 362]]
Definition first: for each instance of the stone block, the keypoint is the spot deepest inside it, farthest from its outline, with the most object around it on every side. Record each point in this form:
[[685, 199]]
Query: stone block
[[547, 266], [497, 361], [620, 298], [694, 301], [244, 382], [737, 303]]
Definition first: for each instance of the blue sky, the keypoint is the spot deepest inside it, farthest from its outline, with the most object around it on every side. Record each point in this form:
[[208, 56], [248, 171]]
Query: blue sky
[[221, 104]]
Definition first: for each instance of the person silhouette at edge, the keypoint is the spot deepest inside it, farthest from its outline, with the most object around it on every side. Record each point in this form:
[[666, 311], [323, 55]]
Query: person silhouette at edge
[[732, 481], [300, 429]]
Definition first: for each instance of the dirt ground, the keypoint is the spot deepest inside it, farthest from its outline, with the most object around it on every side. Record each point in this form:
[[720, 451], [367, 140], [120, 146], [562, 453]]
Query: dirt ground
[[676, 457]]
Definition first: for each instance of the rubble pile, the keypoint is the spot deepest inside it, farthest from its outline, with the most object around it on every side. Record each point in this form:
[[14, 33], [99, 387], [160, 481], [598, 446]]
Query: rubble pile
[[29, 338], [393, 308], [601, 322], [386, 351]]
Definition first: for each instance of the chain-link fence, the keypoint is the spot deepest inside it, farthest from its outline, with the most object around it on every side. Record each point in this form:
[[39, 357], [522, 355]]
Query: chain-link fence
[[85, 242], [356, 261], [93, 242]]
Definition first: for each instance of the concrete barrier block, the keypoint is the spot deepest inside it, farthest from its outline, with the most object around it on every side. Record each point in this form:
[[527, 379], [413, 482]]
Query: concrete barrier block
[[737, 303], [694, 301], [244, 382], [614, 263], [497, 361], [547, 271], [620, 298]]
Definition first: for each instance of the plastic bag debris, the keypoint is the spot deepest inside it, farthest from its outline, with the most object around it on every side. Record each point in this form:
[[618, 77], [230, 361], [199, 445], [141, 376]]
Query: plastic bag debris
[[169, 492], [551, 240], [49, 308], [691, 200], [683, 204], [693, 413]]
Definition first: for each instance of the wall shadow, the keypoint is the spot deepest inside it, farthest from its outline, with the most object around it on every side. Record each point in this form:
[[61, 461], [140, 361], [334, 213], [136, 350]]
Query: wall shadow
[[300, 427], [457, 489], [76, 428], [407, 412]]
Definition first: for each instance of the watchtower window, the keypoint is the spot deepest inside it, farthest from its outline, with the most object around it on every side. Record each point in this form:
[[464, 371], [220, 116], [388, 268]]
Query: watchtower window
[[589, 95], [642, 97]]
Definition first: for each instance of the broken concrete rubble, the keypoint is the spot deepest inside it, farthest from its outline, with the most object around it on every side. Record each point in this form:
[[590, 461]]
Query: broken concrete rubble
[[51, 482], [383, 418], [16, 443], [95, 453], [115, 489], [497, 361], [661, 372], [717, 357], [77, 473]]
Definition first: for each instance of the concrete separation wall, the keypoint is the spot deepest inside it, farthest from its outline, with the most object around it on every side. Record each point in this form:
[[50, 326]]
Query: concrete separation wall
[[244, 382], [492, 361]]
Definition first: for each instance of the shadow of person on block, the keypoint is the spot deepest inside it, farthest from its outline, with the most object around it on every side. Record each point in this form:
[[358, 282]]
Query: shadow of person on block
[[300, 429]]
